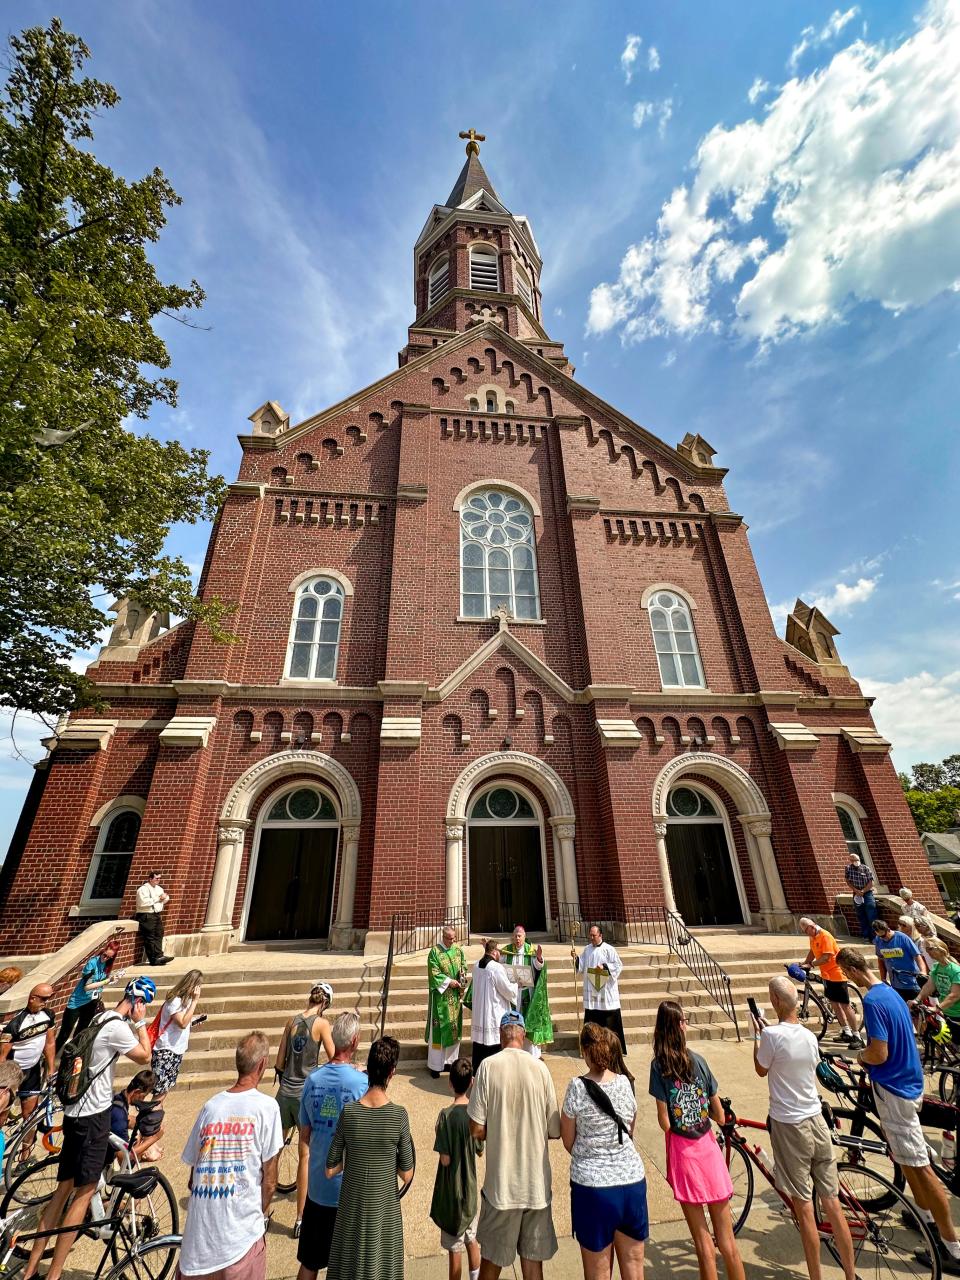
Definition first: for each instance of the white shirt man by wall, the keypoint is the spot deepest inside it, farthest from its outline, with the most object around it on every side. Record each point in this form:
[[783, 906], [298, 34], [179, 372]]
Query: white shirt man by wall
[[151, 899]]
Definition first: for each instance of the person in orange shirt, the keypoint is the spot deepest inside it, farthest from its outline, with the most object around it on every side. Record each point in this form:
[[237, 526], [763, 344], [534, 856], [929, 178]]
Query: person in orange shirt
[[823, 956]]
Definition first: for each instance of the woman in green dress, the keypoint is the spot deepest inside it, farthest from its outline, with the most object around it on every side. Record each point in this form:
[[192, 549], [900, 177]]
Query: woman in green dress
[[371, 1147]]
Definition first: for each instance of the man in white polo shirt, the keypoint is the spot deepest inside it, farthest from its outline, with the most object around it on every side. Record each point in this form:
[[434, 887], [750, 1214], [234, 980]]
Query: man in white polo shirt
[[788, 1054], [151, 899]]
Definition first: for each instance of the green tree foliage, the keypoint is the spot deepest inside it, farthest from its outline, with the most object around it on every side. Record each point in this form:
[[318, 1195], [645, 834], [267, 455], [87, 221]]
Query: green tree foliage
[[933, 794], [85, 504]]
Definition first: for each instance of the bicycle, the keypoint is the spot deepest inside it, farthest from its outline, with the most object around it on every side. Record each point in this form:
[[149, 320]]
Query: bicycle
[[813, 1009], [45, 1123], [938, 1052], [883, 1223], [130, 1243]]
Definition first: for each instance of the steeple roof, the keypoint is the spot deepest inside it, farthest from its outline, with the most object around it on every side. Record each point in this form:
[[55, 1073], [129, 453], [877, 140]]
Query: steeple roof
[[472, 179]]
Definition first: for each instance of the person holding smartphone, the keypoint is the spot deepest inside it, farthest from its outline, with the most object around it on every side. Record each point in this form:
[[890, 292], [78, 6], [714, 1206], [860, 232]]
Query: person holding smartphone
[[787, 1054]]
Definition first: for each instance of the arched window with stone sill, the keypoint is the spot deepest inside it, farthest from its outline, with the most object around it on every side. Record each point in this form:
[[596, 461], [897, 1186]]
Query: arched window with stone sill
[[675, 641], [111, 861], [498, 557], [852, 829], [484, 269], [314, 643]]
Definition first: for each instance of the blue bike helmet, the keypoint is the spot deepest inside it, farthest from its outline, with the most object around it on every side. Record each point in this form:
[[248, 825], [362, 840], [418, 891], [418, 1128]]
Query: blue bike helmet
[[143, 988], [828, 1075], [796, 973]]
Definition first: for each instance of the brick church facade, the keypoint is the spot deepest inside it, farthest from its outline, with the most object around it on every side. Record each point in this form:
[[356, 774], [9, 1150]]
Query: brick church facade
[[497, 646]]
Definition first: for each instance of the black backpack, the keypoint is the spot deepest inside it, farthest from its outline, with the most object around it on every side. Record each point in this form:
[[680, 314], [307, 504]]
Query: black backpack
[[74, 1075], [600, 1099]]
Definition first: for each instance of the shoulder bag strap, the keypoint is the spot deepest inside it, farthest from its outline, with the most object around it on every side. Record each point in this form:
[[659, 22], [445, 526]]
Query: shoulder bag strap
[[600, 1099]]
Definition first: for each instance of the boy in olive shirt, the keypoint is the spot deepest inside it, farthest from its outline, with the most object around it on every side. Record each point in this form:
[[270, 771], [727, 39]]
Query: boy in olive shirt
[[455, 1207]]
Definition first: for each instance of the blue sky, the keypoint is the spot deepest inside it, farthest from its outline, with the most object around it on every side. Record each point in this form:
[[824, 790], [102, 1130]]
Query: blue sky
[[750, 222]]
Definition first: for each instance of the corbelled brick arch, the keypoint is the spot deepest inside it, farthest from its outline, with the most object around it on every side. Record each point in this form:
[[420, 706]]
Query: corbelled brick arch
[[753, 813], [562, 817], [235, 820]]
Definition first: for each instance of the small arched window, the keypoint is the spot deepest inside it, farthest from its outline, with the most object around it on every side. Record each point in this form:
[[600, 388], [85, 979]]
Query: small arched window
[[498, 558], [491, 403], [675, 641], [484, 269], [524, 288], [853, 833], [439, 281], [315, 631], [110, 864]]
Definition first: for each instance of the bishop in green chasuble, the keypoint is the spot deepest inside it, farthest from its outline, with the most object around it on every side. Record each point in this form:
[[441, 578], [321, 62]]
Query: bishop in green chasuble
[[534, 1000], [446, 983]]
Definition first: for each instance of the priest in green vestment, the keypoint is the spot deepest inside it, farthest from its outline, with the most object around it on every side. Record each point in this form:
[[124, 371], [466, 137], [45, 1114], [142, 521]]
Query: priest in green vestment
[[447, 984], [533, 1000]]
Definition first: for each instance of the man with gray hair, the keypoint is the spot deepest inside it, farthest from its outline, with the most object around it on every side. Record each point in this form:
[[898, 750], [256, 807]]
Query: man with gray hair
[[788, 1054], [325, 1094], [860, 879], [233, 1152]]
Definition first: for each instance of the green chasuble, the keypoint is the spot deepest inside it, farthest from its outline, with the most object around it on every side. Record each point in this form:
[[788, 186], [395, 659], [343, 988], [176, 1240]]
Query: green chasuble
[[444, 1012], [534, 1001]]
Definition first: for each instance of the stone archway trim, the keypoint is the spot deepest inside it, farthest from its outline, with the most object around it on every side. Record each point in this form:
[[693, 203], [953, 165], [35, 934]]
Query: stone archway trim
[[281, 765], [745, 792]]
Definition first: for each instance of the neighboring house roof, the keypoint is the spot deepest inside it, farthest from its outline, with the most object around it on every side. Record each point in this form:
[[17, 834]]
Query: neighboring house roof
[[941, 846]]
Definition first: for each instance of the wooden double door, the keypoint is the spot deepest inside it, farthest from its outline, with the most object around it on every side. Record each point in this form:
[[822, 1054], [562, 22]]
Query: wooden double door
[[506, 879], [293, 886], [704, 886]]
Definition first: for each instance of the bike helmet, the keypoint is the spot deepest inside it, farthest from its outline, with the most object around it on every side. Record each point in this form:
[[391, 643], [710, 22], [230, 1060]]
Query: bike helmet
[[143, 988], [829, 1077], [796, 972], [942, 1034], [325, 987]]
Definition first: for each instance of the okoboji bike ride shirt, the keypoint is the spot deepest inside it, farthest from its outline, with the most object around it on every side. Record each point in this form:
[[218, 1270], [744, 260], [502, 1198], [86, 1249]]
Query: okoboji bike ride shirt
[[899, 955], [887, 1018], [235, 1134], [944, 977], [688, 1101]]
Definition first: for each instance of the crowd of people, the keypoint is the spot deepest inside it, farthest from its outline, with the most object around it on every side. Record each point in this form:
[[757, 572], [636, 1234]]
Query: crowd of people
[[492, 1199]]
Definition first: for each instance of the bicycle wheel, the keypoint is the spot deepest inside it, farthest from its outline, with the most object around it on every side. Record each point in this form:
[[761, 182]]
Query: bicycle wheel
[[853, 1123], [813, 1014], [740, 1168], [35, 1184], [948, 1085], [142, 1221], [289, 1163], [152, 1261], [856, 1004], [884, 1245]]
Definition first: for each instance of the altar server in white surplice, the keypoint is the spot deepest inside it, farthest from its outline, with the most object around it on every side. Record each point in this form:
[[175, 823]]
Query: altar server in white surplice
[[492, 994], [601, 968]]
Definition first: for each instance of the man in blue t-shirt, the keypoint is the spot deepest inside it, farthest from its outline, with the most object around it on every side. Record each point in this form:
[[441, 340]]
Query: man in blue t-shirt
[[901, 963], [325, 1093], [896, 1075]]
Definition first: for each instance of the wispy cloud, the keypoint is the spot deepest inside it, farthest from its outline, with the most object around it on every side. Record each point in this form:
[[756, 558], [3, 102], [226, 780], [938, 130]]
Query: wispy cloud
[[811, 38], [757, 90], [628, 58], [920, 714], [841, 599], [846, 190], [653, 58], [659, 111]]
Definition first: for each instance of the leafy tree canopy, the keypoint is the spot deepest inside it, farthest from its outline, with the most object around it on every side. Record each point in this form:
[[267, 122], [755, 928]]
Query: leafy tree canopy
[[933, 794], [85, 504]]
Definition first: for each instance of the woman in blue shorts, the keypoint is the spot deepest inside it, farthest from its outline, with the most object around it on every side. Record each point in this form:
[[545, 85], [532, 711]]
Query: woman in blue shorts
[[608, 1189]]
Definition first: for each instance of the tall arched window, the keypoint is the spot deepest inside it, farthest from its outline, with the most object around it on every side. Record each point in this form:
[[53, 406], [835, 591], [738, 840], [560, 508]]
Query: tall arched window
[[110, 864], [439, 281], [849, 821], [498, 558], [484, 269], [675, 641], [315, 631]]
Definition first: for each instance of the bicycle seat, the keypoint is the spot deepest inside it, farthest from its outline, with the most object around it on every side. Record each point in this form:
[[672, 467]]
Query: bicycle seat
[[140, 1182], [146, 1105]]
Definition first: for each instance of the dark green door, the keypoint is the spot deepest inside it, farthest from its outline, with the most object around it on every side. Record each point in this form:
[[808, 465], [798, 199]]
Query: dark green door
[[703, 883], [506, 880], [293, 888]]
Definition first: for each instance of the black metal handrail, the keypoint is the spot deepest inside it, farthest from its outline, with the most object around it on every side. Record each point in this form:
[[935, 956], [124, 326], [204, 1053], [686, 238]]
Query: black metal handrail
[[654, 926], [413, 931]]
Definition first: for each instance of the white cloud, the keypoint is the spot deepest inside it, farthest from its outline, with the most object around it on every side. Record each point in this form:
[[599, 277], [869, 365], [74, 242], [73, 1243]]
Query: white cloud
[[757, 89], [659, 111], [653, 58], [845, 596], [920, 714], [854, 175], [810, 38], [669, 359], [628, 59]]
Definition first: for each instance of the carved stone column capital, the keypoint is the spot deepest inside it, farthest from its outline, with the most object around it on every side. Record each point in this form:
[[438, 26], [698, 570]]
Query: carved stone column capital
[[233, 834], [660, 829], [453, 831], [565, 830]]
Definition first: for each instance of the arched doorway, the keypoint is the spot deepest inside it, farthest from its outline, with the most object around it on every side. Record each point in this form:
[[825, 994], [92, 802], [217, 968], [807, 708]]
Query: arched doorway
[[703, 865], [293, 866], [505, 860]]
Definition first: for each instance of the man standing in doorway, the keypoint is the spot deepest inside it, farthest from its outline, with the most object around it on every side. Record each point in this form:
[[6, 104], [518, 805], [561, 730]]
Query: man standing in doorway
[[447, 985], [823, 956], [601, 967], [151, 899], [860, 879], [534, 999]]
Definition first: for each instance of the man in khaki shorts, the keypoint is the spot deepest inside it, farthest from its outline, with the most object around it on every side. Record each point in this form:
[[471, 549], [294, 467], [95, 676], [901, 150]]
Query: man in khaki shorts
[[513, 1108], [787, 1054]]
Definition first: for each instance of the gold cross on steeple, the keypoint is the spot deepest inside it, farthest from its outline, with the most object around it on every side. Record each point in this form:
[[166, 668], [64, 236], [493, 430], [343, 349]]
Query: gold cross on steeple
[[473, 145]]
